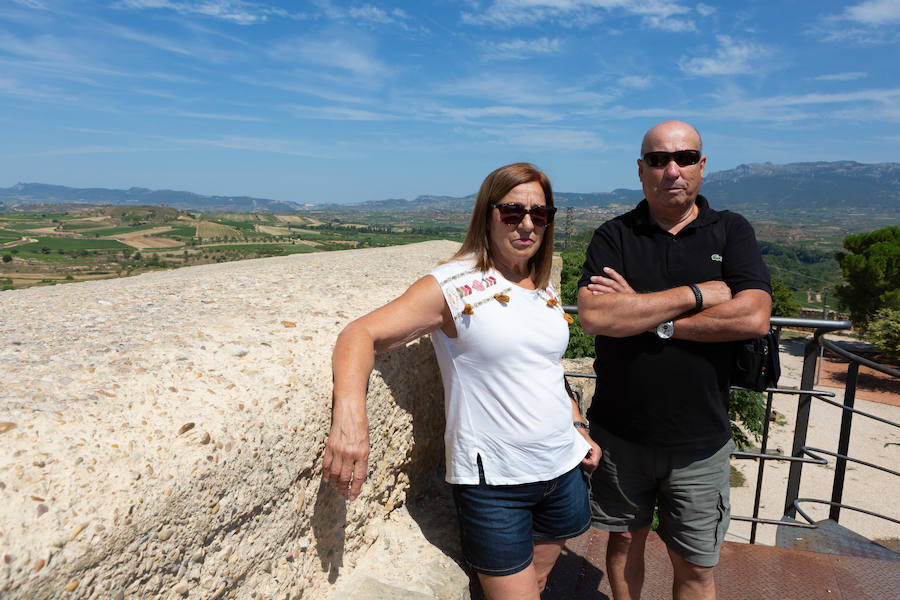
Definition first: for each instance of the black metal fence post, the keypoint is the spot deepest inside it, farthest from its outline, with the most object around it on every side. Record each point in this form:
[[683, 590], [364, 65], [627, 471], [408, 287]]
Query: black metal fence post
[[840, 467], [807, 381]]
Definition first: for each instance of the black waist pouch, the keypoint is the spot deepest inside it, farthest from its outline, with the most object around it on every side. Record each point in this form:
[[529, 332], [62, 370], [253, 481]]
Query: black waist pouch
[[756, 364]]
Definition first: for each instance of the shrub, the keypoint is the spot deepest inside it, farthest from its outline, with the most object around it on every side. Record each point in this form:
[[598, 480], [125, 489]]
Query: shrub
[[884, 332]]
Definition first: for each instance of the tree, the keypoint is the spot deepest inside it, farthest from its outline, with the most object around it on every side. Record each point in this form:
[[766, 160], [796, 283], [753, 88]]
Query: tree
[[884, 332], [784, 304], [872, 272], [7, 258]]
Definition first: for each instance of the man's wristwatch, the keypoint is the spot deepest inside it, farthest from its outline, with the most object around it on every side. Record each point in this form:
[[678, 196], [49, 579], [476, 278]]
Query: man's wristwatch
[[665, 330], [580, 424]]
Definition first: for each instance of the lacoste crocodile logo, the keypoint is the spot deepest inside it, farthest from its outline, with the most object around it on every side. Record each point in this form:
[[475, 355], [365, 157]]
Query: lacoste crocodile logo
[[716, 257]]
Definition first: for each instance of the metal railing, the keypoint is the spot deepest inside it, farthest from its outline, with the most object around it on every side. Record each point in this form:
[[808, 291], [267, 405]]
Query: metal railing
[[801, 453]]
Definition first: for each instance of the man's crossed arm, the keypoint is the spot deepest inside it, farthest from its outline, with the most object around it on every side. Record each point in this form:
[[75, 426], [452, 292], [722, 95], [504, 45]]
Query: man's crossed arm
[[610, 307]]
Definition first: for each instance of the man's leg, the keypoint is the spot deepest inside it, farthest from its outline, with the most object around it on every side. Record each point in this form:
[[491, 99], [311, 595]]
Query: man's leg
[[694, 510], [625, 563], [692, 582]]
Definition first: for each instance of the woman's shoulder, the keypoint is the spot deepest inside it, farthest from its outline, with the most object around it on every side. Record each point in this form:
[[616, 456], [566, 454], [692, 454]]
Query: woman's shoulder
[[454, 268]]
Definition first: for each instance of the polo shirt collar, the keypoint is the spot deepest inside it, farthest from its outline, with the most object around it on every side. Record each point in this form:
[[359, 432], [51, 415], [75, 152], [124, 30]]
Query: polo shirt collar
[[706, 215]]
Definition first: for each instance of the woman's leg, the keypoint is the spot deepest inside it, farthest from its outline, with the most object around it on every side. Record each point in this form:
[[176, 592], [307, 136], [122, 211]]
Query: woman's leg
[[545, 555], [528, 583], [521, 585]]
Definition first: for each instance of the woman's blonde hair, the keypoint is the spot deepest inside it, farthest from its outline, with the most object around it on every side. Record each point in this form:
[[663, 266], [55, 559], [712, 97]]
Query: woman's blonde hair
[[494, 188]]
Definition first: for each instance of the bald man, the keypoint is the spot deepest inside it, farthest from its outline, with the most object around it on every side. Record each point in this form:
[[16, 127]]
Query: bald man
[[666, 288]]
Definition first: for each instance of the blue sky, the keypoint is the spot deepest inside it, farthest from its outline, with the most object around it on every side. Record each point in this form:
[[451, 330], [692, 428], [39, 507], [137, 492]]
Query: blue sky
[[333, 101]]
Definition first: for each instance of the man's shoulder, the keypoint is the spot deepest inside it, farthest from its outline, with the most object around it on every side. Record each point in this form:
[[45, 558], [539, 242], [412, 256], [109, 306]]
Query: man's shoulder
[[626, 221]]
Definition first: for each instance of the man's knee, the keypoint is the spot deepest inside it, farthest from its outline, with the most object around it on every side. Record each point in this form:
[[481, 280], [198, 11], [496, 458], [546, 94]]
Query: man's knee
[[688, 572], [625, 541]]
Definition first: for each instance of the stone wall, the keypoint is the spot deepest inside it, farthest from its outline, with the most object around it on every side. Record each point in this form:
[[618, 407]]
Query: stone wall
[[161, 437]]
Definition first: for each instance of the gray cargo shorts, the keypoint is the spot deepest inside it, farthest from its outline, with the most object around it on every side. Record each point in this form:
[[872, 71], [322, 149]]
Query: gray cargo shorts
[[690, 489]]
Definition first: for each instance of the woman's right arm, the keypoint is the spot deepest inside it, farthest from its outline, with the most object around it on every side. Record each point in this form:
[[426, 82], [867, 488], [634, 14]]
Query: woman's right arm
[[419, 311]]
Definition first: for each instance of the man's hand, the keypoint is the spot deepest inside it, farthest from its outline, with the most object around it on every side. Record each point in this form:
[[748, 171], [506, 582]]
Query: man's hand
[[714, 292], [612, 283], [346, 461], [592, 459]]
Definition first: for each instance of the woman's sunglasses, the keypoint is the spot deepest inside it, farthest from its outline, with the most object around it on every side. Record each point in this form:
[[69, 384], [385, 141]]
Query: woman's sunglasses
[[512, 214], [682, 158]]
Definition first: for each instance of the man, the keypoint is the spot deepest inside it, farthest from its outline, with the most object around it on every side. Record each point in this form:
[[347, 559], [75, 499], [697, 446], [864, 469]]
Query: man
[[665, 288]]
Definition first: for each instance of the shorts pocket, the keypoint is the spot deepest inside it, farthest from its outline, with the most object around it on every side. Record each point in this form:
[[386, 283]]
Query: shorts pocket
[[724, 513]]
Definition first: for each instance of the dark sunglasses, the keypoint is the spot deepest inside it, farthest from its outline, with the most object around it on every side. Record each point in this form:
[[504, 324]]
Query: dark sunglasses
[[682, 158], [512, 214]]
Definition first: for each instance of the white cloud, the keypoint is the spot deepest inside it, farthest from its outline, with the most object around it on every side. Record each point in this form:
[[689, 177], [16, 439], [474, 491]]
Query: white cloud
[[656, 14], [518, 49], [705, 10], [850, 76], [220, 117], [235, 11], [31, 4], [875, 12], [338, 53], [340, 113], [547, 138], [732, 58], [638, 82]]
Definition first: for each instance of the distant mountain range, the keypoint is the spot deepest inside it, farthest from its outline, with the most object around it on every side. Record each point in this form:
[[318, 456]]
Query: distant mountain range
[[758, 186]]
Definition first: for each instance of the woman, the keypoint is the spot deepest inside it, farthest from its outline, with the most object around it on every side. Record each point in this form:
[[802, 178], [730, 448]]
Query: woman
[[498, 329]]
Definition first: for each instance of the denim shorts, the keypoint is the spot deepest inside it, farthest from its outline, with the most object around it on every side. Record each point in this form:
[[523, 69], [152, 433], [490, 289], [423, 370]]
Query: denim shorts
[[689, 488], [499, 524]]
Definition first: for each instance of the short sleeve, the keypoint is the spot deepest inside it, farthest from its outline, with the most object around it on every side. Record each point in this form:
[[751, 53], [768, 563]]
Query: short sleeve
[[605, 250], [742, 265]]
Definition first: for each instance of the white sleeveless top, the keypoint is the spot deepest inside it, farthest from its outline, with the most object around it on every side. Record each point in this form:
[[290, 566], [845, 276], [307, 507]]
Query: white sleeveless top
[[504, 390]]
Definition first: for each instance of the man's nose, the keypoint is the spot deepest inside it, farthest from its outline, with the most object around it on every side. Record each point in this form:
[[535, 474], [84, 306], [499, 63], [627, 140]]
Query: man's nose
[[672, 170]]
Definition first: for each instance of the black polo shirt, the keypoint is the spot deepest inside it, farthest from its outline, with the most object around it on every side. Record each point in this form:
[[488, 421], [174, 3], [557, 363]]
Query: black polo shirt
[[670, 393]]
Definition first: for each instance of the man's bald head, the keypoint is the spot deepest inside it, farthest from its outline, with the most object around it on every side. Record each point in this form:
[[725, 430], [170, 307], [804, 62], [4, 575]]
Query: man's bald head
[[669, 129]]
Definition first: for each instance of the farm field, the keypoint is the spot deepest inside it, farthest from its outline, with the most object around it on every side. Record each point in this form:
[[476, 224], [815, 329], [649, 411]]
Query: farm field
[[114, 241]]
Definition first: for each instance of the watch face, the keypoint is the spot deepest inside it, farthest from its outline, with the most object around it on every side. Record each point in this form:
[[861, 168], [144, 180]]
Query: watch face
[[665, 330]]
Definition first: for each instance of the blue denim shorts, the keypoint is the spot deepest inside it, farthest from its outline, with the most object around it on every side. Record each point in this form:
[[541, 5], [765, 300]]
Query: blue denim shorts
[[499, 524]]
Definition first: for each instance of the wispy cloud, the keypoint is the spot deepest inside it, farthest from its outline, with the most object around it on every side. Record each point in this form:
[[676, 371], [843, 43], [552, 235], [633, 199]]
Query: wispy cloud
[[850, 76], [338, 54], [732, 58], [874, 12], [517, 90], [638, 82], [235, 11], [220, 117], [547, 138], [341, 113], [365, 14], [656, 14], [37, 4], [522, 49]]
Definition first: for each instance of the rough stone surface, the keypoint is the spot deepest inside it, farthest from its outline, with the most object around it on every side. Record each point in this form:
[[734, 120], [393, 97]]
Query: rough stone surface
[[162, 436]]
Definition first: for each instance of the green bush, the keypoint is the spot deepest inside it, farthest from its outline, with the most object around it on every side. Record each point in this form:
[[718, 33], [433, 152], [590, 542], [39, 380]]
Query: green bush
[[884, 332], [749, 408]]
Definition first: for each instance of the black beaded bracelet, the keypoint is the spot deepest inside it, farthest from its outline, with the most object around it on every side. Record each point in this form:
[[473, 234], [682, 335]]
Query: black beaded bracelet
[[697, 296]]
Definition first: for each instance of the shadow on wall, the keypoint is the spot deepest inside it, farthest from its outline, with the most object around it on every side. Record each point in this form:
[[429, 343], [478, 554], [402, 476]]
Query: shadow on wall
[[406, 428], [413, 377], [328, 523]]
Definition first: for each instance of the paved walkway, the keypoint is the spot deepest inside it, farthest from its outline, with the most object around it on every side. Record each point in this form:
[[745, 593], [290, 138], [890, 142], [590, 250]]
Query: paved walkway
[[745, 572]]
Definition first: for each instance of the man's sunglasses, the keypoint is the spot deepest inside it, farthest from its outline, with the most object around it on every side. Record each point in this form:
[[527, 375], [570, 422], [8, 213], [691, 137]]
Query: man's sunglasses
[[682, 158], [512, 214]]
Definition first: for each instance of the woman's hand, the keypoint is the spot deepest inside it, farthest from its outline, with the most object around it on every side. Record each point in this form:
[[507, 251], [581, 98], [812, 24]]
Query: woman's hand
[[346, 462]]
